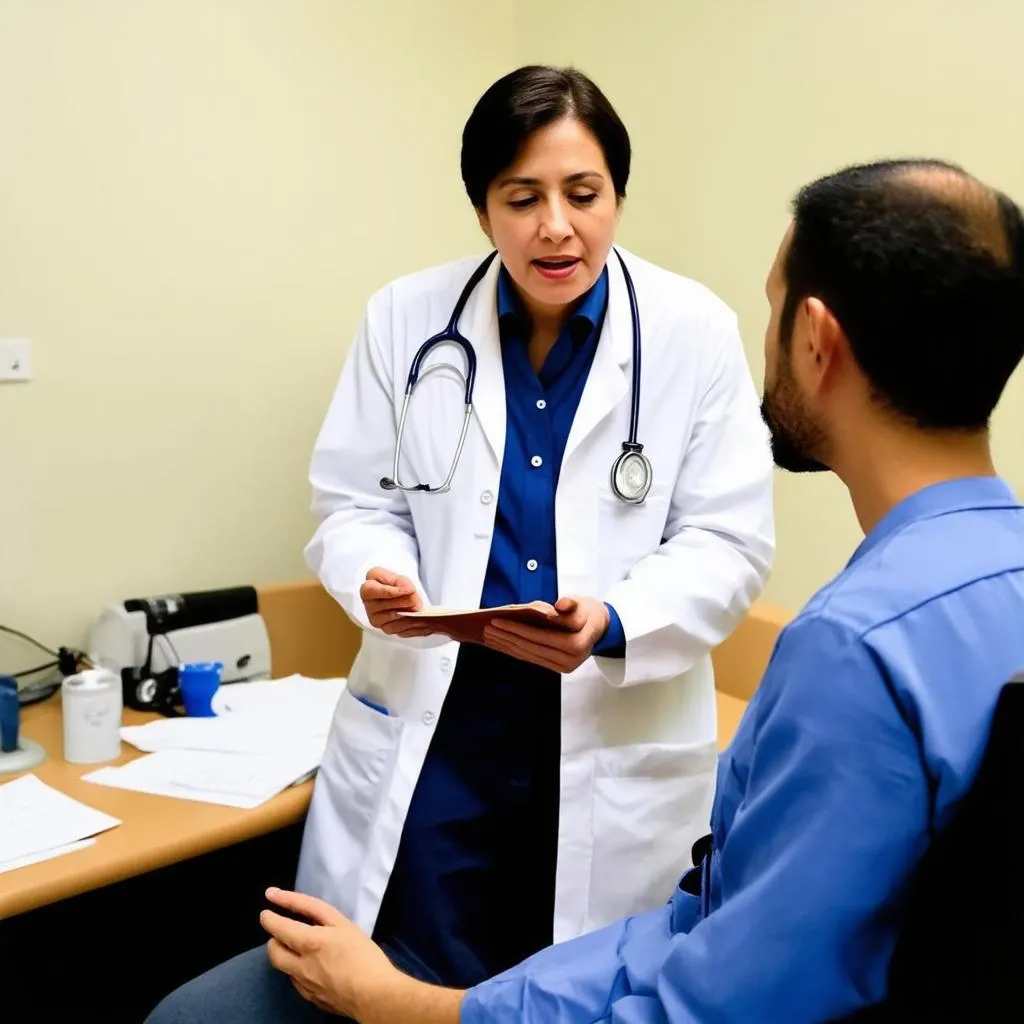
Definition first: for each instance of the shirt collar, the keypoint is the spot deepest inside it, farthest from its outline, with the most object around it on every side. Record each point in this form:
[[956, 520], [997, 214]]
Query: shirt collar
[[974, 492], [581, 325]]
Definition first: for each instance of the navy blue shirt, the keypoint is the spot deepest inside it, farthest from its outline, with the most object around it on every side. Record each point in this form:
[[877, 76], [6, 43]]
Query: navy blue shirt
[[472, 889], [540, 408]]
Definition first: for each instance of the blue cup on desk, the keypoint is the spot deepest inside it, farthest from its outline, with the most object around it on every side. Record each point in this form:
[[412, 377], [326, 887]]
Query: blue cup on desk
[[10, 713], [199, 681]]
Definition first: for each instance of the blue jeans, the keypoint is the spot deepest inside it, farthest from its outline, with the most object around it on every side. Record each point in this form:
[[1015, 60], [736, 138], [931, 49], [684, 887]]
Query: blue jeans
[[248, 990]]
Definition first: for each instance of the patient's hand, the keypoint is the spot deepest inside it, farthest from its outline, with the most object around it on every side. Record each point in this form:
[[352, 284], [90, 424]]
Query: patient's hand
[[331, 962], [340, 969]]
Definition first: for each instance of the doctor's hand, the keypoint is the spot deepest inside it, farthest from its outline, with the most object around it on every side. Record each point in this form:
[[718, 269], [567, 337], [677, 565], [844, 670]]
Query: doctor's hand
[[564, 645], [384, 595]]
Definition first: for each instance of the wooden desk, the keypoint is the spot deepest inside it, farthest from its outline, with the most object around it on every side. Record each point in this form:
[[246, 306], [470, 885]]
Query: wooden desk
[[309, 634], [730, 711], [155, 831]]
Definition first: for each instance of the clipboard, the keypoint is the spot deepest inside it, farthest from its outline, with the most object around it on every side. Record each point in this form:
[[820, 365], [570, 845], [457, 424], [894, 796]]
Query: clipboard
[[467, 625]]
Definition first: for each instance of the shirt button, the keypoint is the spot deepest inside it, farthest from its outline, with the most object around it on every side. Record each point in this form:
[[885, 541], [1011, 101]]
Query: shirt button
[[532, 565], [541, 404], [446, 663], [486, 498], [536, 462], [429, 718]]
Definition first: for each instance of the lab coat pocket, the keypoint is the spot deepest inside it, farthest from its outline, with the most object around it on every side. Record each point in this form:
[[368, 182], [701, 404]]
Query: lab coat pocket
[[359, 758], [351, 786], [651, 802]]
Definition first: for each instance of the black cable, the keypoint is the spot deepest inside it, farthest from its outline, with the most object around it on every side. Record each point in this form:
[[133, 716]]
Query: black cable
[[28, 639], [167, 640], [32, 671]]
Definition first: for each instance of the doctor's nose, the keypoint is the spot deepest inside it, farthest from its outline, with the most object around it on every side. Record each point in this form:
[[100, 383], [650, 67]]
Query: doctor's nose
[[556, 225]]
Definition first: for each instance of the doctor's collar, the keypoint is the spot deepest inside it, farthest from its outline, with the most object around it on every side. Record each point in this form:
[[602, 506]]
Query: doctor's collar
[[589, 314]]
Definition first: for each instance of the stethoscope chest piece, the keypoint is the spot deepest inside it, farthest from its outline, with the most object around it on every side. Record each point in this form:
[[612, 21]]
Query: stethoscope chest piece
[[632, 475]]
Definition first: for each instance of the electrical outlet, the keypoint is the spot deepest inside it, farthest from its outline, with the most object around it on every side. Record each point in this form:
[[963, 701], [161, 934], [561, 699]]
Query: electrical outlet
[[15, 359]]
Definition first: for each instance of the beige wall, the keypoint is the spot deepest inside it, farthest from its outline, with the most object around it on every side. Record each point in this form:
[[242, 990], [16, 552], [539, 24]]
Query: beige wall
[[732, 104], [197, 197]]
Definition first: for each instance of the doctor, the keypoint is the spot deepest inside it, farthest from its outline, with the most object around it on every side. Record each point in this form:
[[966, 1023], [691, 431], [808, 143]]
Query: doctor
[[478, 801], [548, 779]]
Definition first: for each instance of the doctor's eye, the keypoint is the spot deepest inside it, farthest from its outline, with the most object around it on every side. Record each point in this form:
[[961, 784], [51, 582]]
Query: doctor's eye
[[522, 204], [584, 200]]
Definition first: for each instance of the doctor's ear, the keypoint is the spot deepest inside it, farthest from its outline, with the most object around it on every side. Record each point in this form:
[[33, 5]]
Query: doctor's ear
[[485, 223]]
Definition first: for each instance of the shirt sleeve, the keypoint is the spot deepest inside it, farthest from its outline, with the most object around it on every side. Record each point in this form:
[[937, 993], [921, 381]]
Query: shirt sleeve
[[360, 524], [613, 643], [573, 981], [828, 825]]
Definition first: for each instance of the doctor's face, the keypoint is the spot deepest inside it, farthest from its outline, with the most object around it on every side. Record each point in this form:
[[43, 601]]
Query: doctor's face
[[552, 216], [797, 435]]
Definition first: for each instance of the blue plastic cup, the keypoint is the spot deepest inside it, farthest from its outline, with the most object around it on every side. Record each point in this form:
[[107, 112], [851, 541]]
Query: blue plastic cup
[[199, 681], [10, 714]]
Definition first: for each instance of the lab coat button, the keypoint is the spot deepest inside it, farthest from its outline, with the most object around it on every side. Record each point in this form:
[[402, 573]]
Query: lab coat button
[[429, 718], [536, 462], [446, 663], [532, 565], [486, 498]]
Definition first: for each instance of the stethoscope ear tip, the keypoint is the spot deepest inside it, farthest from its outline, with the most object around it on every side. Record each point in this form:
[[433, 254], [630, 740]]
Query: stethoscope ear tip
[[387, 483]]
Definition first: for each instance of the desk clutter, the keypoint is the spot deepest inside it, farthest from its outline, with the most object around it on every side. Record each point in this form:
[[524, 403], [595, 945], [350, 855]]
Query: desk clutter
[[265, 736]]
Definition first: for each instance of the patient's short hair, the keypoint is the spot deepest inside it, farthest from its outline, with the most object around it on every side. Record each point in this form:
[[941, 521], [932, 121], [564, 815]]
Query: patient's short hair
[[923, 267]]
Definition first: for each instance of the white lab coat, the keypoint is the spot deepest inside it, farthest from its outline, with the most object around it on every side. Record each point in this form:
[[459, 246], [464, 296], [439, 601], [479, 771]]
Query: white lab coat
[[638, 733]]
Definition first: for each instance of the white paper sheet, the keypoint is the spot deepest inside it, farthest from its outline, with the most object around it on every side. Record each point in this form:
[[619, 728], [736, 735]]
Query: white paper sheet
[[35, 858], [266, 736], [295, 701], [252, 718], [36, 818], [229, 734], [236, 780]]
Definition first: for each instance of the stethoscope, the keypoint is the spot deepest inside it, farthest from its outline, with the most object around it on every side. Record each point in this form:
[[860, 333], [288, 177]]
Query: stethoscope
[[631, 474]]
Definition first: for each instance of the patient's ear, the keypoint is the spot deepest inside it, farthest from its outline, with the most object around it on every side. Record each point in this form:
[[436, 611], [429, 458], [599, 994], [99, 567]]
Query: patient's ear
[[826, 346]]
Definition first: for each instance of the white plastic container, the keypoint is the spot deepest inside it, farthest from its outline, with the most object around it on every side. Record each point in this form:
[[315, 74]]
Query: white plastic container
[[91, 706]]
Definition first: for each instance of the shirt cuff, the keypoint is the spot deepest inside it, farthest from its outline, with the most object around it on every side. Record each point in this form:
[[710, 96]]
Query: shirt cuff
[[613, 643]]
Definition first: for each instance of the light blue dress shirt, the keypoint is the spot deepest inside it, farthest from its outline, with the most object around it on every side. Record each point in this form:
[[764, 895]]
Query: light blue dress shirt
[[867, 728]]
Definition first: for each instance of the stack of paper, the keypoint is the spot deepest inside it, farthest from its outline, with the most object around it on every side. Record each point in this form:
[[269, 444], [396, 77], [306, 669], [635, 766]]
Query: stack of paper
[[252, 718], [266, 736], [295, 702], [38, 822], [236, 780]]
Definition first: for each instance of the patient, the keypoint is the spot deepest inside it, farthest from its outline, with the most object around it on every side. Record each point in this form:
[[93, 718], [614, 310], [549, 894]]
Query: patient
[[897, 315]]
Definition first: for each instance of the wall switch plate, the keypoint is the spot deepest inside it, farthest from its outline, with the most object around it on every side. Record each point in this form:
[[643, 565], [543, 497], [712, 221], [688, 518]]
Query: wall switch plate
[[15, 359]]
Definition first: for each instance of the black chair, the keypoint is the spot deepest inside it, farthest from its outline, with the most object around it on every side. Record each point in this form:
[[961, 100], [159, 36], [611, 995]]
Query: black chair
[[960, 953]]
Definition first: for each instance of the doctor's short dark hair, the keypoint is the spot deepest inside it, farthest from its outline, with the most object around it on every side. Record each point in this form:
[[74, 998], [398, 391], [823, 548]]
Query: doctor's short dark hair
[[526, 100], [923, 267]]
